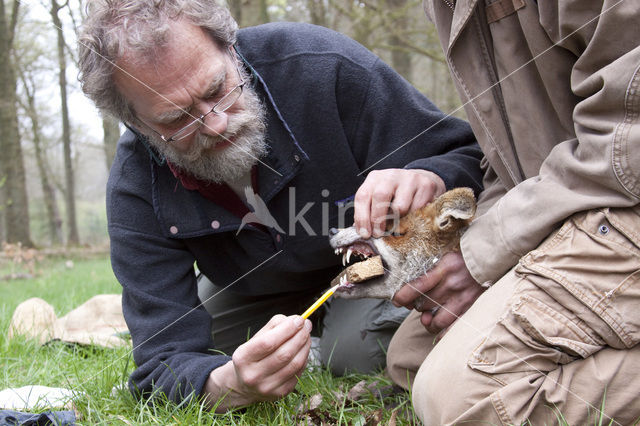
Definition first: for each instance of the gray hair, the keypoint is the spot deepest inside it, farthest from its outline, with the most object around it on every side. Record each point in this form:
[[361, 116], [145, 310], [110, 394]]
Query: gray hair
[[114, 28]]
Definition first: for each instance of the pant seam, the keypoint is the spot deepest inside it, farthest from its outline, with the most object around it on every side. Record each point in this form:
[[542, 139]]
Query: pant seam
[[610, 295], [491, 376], [500, 408], [476, 358]]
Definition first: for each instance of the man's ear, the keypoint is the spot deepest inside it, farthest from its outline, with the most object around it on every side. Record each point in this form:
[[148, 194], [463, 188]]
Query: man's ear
[[454, 206]]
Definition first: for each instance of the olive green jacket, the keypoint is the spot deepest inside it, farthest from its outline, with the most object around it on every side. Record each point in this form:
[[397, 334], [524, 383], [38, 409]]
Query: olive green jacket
[[552, 91]]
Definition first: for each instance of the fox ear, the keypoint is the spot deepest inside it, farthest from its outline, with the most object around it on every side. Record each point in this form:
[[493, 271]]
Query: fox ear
[[453, 206]]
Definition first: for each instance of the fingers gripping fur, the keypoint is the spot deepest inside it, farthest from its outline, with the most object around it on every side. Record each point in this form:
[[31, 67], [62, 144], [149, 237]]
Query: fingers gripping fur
[[421, 238]]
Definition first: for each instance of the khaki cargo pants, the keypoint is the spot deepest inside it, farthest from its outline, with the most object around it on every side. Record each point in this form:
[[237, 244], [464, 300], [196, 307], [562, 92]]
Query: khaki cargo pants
[[556, 337]]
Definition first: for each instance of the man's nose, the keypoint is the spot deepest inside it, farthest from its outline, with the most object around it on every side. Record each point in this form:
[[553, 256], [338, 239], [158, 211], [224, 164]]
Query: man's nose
[[215, 124]]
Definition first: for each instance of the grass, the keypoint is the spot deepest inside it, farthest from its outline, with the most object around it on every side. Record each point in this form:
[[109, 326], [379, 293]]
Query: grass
[[98, 376]]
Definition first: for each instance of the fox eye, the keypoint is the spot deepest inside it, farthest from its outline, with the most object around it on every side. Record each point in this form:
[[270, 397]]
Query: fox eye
[[397, 233], [397, 229]]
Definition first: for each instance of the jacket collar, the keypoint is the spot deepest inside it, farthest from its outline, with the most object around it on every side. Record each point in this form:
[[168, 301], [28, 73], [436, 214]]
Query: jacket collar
[[463, 10]]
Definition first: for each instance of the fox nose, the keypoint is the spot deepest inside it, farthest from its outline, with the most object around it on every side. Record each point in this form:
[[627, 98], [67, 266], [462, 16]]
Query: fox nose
[[333, 231]]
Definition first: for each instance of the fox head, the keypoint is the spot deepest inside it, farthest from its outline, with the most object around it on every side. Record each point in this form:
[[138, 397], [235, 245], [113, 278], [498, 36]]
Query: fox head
[[408, 249]]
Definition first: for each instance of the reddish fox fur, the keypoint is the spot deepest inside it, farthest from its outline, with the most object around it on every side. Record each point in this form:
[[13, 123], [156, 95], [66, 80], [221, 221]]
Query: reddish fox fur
[[416, 244]]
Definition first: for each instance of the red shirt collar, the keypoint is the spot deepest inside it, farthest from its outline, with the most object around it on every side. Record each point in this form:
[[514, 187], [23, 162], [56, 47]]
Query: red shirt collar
[[219, 193]]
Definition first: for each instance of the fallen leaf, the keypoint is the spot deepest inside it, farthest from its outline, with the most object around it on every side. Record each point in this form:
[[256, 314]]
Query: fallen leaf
[[310, 404], [374, 418], [392, 419], [384, 391], [357, 391], [338, 395]]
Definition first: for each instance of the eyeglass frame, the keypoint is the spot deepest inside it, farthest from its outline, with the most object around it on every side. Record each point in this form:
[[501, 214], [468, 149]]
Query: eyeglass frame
[[213, 110]]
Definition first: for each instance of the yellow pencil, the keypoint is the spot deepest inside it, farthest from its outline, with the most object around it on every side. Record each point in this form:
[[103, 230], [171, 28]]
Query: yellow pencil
[[319, 302]]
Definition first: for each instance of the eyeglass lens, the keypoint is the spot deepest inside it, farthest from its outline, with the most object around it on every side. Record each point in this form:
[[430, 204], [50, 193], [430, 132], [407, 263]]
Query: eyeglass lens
[[223, 104]]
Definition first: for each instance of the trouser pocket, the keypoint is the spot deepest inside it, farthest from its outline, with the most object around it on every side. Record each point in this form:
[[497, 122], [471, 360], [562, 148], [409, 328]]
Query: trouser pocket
[[592, 268], [578, 292]]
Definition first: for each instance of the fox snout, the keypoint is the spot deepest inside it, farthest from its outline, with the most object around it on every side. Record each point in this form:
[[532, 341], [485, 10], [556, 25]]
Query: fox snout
[[408, 250]]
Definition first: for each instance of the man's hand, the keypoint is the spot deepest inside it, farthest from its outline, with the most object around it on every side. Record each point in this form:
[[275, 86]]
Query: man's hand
[[448, 286], [398, 190], [265, 368]]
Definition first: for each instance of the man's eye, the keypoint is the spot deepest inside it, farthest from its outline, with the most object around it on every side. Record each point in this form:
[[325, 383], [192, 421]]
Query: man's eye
[[215, 96], [178, 121]]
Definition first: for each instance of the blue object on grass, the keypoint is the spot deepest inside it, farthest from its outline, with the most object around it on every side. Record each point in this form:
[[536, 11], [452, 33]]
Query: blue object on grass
[[48, 418]]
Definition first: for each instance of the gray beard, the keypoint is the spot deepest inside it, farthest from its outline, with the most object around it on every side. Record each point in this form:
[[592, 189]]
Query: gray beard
[[246, 130]]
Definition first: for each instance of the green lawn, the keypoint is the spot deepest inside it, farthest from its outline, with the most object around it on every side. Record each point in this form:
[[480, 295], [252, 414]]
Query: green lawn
[[97, 375]]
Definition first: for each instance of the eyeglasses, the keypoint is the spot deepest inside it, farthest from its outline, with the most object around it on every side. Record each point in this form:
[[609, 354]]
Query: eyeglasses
[[221, 106]]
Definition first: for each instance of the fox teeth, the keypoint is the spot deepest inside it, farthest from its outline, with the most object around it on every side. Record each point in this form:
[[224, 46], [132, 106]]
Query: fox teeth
[[344, 259], [349, 252], [343, 280]]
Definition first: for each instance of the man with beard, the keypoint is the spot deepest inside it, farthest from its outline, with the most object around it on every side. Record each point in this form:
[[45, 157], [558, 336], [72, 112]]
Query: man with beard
[[285, 118]]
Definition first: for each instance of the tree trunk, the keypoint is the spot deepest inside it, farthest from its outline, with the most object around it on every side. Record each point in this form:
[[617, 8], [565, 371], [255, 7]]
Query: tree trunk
[[70, 201], [3, 234], [16, 204], [400, 58], [317, 12], [359, 20], [252, 12], [264, 12], [235, 6], [111, 132], [53, 214]]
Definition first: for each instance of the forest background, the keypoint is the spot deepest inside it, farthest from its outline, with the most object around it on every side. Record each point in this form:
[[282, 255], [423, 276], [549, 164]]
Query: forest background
[[55, 148]]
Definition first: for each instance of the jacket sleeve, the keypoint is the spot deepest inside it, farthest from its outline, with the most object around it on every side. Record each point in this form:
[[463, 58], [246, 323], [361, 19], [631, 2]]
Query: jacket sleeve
[[599, 168], [397, 126], [171, 334]]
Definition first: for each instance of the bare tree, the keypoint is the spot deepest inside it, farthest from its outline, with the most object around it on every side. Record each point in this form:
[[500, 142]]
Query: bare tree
[[3, 180], [70, 200], [53, 214], [264, 11], [16, 208], [400, 58], [361, 23], [111, 133], [250, 12], [235, 6], [110, 125], [317, 12]]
